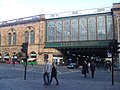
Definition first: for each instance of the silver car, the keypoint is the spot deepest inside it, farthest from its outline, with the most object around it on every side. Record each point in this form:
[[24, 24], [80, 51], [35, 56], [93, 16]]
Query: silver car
[[72, 66]]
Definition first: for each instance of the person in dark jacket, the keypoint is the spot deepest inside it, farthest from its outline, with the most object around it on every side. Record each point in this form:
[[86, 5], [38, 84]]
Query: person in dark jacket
[[54, 74], [85, 69], [92, 68]]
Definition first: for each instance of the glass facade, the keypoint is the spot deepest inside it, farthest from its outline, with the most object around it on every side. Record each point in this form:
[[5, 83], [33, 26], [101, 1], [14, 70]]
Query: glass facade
[[80, 28]]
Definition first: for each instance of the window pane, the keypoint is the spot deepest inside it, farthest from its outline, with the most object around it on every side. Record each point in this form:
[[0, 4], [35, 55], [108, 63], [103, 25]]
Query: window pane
[[26, 36], [66, 29], [9, 38], [59, 30], [92, 28], [83, 28], [14, 38], [109, 27], [101, 28], [32, 37], [74, 32], [50, 31]]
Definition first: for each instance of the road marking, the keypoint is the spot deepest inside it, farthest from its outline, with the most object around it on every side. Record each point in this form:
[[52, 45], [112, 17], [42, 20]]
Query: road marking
[[70, 71], [59, 72]]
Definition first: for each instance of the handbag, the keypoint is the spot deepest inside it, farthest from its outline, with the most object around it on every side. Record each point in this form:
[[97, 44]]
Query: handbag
[[83, 71]]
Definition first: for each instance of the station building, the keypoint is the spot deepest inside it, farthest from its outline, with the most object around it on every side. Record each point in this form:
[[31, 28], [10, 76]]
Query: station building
[[70, 34]]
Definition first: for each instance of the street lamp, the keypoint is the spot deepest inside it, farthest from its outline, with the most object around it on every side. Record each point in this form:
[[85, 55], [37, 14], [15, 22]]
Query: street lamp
[[112, 52], [118, 31]]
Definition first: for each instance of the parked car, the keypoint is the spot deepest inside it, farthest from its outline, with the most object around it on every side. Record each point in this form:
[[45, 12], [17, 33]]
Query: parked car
[[72, 66]]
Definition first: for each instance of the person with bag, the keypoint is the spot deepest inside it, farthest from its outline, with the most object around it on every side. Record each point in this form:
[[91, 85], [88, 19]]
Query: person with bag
[[54, 73], [92, 68], [85, 69]]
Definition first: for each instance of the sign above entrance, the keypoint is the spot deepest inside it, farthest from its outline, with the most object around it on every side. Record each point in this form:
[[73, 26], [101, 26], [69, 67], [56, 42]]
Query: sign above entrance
[[76, 44], [79, 12]]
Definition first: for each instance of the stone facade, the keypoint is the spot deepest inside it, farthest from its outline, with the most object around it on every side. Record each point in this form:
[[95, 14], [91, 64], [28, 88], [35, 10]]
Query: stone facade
[[116, 15], [38, 27]]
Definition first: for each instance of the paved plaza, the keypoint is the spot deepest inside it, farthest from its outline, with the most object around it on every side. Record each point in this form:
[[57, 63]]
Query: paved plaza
[[68, 81]]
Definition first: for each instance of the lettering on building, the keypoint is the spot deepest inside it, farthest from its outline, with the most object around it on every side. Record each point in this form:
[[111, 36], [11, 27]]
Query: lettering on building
[[79, 43]]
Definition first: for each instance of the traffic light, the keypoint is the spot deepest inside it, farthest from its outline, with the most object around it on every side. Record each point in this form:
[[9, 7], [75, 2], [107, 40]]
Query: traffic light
[[114, 47], [117, 48], [24, 47]]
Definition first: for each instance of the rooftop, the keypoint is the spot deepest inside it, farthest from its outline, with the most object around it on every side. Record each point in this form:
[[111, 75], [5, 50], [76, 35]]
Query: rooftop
[[54, 15]]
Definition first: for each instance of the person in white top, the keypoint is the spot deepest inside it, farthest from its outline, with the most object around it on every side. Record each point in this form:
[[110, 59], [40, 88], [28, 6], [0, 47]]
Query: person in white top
[[46, 72]]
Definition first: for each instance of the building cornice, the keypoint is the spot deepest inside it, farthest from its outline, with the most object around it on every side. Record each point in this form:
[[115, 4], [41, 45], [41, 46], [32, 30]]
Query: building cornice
[[23, 20]]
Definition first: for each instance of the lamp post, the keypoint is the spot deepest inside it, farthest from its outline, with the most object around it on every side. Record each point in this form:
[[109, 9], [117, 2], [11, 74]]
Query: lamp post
[[112, 42], [118, 31], [25, 51]]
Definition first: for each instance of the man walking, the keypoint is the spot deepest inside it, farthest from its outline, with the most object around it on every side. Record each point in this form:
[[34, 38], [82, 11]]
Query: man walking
[[85, 69], [92, 68], [46, 71]]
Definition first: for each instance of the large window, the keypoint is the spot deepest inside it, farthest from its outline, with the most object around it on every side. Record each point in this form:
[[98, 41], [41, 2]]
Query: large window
[[66, 29], [9, 39], [109, 27], [26, 36], [59, 30], [32, 37], [50, 31], [74, 33], [14, 38], [101, 27], [92, 28], [83, 28]]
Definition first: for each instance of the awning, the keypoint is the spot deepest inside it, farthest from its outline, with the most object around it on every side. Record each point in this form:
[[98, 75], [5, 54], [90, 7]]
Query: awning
[[6, 56], [33, 54], [31, 59]]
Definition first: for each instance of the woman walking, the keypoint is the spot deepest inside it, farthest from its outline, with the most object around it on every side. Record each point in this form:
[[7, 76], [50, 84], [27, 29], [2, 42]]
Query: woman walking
[[54, 74]]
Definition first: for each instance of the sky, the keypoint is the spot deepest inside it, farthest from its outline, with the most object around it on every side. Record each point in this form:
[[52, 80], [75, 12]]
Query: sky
[[13, 9]]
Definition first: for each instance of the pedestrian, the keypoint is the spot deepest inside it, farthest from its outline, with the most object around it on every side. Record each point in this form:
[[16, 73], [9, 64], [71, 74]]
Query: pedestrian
[[85, 69], [105, 66], [92, 68], [108, 66], [54, 73], [13, 62], [46, 72]]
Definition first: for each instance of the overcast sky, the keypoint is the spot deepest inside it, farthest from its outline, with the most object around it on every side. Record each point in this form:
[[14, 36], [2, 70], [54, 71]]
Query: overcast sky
[[13, 9]]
